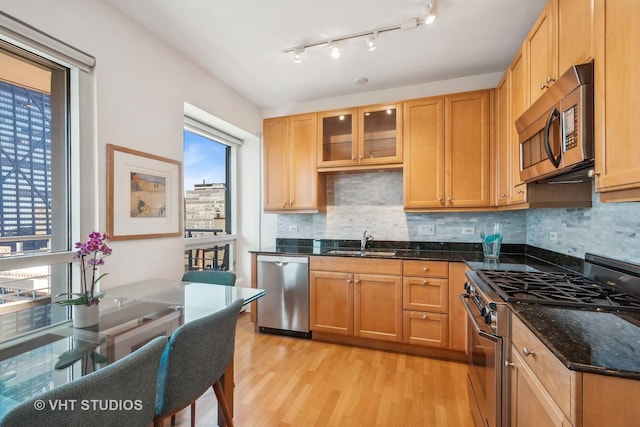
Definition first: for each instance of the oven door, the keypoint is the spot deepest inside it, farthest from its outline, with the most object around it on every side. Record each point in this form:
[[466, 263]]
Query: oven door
[[484, 354]]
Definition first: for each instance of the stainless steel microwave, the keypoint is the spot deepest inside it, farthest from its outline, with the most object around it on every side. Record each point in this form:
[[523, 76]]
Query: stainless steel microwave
[[556, 132]]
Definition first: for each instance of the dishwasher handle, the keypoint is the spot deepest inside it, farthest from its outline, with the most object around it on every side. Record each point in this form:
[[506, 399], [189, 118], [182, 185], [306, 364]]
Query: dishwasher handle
[[281, 261]]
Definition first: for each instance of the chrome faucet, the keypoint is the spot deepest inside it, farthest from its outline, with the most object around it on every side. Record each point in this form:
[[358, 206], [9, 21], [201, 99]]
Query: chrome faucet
[[364, 240]]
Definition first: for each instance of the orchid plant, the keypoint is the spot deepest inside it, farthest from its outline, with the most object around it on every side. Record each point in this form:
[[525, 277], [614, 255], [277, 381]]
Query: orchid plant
[[91, 254]]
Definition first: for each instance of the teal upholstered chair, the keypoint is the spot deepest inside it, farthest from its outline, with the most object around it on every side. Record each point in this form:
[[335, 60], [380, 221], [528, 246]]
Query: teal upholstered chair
[[226, 278], [195, 359], [131, 380]]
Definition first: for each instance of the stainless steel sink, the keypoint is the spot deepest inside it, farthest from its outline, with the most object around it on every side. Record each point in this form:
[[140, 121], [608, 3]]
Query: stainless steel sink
[[358, 252]]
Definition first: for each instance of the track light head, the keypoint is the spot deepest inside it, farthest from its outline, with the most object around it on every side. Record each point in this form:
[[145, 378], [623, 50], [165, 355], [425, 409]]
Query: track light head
[[371, 41], [335, 50], [429, 15], [297, 55]]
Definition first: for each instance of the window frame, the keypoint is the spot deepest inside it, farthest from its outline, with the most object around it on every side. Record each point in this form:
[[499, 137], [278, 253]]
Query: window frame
[[71, 71], [198, 122]]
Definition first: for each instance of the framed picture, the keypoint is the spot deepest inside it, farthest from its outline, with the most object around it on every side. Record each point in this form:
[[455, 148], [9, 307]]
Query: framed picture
[[144, 195]]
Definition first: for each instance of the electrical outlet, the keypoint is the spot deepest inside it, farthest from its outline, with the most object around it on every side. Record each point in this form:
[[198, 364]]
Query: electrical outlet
[[427, 229], [468, 230], [293, 228], [553, 235]]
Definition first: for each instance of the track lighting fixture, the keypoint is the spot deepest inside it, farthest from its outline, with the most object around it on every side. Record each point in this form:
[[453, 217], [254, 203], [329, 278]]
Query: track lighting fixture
[[428, 16], [335, 50], [371, 41], [297, 55]]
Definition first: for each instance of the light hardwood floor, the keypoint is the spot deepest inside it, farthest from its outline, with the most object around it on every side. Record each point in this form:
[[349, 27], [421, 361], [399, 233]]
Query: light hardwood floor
[[283, 381]]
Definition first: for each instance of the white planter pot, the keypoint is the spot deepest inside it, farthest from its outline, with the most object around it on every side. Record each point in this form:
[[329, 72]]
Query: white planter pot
[[85, 315]]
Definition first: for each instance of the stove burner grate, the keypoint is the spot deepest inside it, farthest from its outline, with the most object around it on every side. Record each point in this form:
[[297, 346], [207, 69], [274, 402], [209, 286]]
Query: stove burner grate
[[564, 289]]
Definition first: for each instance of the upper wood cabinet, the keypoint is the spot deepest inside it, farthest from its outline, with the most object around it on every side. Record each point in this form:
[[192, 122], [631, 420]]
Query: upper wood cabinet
[[576, 37], [446, 162], [466, 147], [423, 173], [291, 179], [616, 100], [502, 153], [519, 101], [360, 138], [561, 37], [541, 48]]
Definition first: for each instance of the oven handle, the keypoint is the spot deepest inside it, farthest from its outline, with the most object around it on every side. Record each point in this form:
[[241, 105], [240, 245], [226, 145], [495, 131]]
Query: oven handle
[[479, 330]]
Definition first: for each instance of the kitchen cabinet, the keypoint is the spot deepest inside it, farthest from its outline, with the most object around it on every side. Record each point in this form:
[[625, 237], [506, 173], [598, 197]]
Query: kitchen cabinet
[[291, 180], [360, 138], [457, 314], [502, 153], [447, 152], [617, 95], [541, 47], [423, 174], [610, 401], [426, 303], [543, 391], [518, 103], [575, 32], [563, 35], [466, 142], [356, 297]]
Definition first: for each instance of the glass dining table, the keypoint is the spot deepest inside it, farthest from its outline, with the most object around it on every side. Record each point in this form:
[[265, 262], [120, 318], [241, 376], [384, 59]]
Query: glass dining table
[[130, 316]]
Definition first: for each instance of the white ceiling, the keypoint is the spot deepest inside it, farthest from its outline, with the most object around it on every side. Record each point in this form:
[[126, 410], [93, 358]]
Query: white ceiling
[[241, 42]]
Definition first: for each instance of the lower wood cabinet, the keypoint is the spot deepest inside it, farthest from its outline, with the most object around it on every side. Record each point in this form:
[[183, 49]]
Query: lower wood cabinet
[[426, 303], [541, 384], [406, 302], [356, 297]]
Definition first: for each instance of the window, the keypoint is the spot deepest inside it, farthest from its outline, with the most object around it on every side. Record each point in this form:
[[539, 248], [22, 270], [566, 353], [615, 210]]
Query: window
[[40, 124], [209, 156]]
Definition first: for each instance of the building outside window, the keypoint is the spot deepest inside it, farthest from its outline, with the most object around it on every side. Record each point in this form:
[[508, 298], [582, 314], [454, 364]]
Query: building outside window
[[208, 184], [41, 83]]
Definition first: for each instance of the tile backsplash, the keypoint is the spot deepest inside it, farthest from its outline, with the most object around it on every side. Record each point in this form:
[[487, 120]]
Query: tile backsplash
[[373, 201]]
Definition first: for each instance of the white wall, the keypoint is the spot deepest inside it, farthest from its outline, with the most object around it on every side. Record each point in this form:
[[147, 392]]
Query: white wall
[[141, 86]]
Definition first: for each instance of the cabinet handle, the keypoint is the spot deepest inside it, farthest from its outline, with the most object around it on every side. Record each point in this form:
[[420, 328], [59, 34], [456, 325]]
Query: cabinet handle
[[424, 282], [508, 364], [424, 317], [425, 268], [528, 352], [440, 199], [550, 79], [593, 173], [520, 191], [543, 86], [353, 157], [361, 157], [284, 205], [348, 281], [449, 199], [504, 196], [356, 281]]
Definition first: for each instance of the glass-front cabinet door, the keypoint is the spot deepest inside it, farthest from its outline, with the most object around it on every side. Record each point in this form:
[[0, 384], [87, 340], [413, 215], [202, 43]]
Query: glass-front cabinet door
[[380, 134], [360, 137], [338, 145]]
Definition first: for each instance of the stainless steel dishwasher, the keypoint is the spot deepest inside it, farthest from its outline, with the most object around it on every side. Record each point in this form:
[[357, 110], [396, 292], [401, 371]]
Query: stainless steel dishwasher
[[285, 307]]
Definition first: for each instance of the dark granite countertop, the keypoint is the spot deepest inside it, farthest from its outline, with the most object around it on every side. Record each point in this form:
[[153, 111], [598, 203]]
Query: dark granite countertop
[[512, 257], [590, 341]]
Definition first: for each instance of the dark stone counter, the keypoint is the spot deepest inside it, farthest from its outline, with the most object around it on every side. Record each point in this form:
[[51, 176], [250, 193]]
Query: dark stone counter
[[600, 342]]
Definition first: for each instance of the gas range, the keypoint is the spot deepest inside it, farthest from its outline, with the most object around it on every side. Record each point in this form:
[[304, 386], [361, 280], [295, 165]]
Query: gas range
[[564, 289], [605, 285]]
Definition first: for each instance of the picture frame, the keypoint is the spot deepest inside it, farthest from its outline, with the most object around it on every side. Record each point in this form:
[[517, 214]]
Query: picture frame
[[144, 194]]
